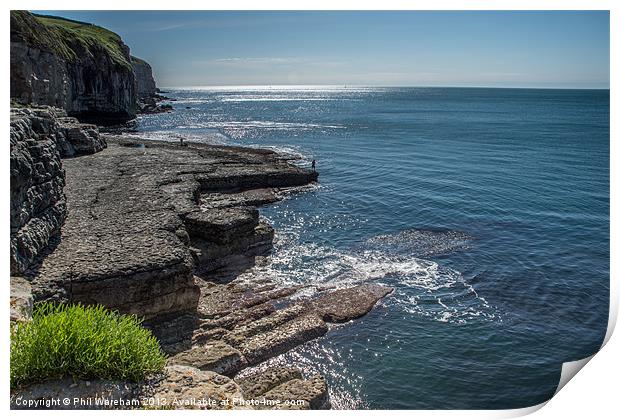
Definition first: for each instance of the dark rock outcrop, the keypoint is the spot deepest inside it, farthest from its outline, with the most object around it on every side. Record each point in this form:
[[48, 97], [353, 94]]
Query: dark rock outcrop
[[151, 105], [80, 139], [351, 303], [76, 66], [38, 206]]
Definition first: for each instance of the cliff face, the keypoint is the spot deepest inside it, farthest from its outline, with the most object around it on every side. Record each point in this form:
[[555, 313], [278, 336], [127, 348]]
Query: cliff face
[[145, 83], [38, 206], [39, 139], [79, 67]]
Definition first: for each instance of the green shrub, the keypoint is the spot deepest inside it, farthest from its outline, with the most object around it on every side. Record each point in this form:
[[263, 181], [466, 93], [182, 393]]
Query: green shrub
[[84, 342]]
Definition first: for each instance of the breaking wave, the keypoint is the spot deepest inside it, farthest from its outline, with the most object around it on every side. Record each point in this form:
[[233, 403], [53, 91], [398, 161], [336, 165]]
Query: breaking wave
[[422, 287]]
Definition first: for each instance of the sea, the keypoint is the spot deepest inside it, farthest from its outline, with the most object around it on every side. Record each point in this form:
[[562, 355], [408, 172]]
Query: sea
[[486, 209]]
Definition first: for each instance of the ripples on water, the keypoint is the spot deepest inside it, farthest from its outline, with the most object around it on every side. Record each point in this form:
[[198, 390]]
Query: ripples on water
[[486, 209]]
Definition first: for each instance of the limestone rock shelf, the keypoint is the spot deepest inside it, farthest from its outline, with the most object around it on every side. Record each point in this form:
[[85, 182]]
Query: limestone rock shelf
[[161, 230], [135, 232]]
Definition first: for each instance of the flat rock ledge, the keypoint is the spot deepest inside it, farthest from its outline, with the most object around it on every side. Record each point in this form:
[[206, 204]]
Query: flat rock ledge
[[135, 231], [179, 387], [239, 326]]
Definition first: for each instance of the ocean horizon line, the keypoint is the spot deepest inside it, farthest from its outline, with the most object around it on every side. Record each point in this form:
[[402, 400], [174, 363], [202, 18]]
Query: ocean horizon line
[[347, 86]]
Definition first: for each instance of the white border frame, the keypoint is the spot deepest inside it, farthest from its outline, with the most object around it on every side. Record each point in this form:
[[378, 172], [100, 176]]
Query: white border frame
[[593, 394]]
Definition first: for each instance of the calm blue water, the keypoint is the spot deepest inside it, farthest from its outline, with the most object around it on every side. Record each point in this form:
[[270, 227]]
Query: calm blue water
[[486, 209]]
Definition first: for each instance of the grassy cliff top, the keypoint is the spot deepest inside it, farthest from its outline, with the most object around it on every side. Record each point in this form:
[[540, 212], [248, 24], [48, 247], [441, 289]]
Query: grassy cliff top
[[68, 38]]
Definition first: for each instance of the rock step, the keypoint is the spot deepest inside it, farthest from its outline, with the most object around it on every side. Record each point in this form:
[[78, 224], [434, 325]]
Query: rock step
[[222, 225], [253, 197], [245, 336], [213, 255], [242, 180], [257, 384], [240, 334], [285, 384], [216, 356], [282, 338], [309, 394]]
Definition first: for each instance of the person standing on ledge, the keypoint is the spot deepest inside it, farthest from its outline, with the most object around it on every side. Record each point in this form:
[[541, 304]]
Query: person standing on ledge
[[313, 165]]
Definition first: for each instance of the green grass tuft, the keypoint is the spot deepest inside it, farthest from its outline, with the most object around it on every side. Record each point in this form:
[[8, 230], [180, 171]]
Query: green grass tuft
[[86, 342]]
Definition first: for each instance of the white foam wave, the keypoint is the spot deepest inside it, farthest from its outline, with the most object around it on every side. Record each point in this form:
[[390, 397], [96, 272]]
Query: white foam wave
[[422, 287]]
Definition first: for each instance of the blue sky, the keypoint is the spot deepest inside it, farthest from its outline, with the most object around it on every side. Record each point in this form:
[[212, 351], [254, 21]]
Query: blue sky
[[555, 49]]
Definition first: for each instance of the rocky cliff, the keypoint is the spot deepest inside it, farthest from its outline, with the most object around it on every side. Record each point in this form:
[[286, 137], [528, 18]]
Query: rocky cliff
[[79, 67], [145, 83], [39, 138]]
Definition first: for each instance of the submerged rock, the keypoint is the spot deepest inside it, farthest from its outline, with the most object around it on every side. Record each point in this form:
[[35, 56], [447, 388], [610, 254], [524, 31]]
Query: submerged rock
[[346, 304]]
